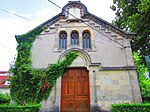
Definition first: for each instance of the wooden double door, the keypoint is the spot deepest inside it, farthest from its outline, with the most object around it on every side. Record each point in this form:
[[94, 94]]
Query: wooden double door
[[75, 95]]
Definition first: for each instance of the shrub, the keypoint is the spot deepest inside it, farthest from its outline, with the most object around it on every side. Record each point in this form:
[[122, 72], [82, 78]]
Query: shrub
[[13, 108], [4, 98], [131, 107]]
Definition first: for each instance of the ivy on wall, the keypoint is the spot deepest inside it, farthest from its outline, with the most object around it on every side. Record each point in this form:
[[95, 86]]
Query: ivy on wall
[[27, 84]]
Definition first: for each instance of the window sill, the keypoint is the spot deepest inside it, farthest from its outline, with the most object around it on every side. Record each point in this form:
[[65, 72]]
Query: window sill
[[58, 49], [75, 47], [89, 49]]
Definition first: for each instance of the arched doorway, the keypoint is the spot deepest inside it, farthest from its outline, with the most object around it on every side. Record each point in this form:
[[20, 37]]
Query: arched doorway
[[75, 94]]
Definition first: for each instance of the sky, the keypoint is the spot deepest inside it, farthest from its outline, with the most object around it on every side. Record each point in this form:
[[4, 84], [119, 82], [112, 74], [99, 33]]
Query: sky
[[35, 12]]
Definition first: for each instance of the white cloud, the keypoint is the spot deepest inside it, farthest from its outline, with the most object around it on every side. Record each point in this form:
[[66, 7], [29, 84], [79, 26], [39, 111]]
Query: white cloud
[[12, 26], [43, 15], [9, 27], [14, 14], [100, 8]]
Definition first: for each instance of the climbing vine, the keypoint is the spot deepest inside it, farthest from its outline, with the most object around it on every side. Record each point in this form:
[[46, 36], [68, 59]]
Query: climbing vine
[[27, 84]]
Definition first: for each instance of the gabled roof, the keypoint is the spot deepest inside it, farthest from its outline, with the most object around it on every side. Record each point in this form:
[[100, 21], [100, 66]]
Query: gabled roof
[[85, 11], [87, 15], [3, 72]]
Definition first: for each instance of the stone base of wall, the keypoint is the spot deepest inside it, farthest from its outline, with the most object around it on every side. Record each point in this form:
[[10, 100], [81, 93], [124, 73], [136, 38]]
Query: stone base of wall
[[56, 108], [53, 108], [97, 108]]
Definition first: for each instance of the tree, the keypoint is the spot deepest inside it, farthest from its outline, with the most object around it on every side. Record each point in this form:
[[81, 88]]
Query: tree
[[144, 82], [134, 16]]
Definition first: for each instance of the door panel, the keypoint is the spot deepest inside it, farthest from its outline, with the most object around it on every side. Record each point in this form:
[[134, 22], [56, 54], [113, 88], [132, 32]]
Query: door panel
[[75, 90]]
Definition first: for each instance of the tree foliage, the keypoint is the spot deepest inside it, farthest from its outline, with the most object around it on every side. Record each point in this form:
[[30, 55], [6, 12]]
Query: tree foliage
[[144, 82], [134, 16]]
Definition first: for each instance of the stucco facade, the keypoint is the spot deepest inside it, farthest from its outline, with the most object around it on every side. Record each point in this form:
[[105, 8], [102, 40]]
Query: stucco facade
[[109, 61]]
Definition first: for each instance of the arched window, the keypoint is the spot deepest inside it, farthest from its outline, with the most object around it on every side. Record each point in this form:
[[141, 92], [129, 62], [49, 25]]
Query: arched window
[[63, 40], [86, 40], [74, 38]]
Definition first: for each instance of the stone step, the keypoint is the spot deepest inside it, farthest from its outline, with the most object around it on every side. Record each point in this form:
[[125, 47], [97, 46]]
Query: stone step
[[102, 30], [114, 36], [57, 25], [42, 33], [85, 20], [97, 27], [46, 30], [108, 33], [92, 24]]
